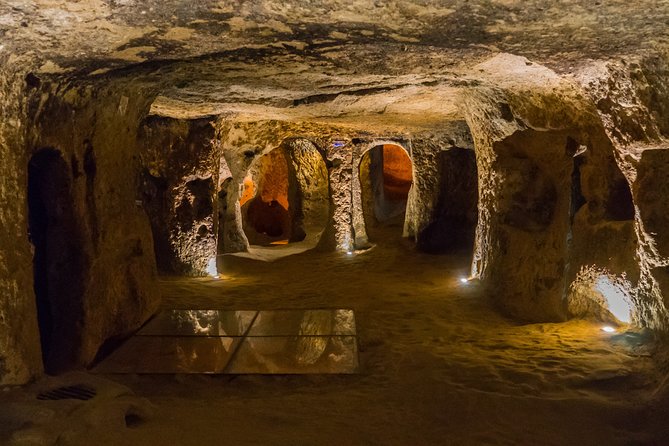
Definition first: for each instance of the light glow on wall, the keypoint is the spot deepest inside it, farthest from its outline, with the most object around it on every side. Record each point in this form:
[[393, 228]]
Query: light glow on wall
[[617, 299], [212, 270]]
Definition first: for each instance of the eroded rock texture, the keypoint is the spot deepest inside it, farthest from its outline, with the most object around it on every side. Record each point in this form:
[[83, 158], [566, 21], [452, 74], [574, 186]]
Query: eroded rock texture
[[631, 101], [285, 195], [553, 201], [136, 134], [19, 335], [180, 161]]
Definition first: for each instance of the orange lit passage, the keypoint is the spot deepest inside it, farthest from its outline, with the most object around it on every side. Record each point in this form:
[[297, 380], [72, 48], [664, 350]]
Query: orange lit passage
[[397, 175], [248, 192], [268, 211]]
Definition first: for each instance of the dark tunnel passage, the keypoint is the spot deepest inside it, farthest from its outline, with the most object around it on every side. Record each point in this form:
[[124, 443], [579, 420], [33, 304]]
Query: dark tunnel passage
[[456, 214], [59, 262]]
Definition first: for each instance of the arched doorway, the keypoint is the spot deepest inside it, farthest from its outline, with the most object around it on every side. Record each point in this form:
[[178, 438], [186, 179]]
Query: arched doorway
[[456, 213], [386, 177], [265, 201], [285, 196], [59, 262]]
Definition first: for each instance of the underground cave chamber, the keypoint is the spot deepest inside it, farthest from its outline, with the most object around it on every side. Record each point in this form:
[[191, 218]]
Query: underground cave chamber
[[284, 197], [464, 204]]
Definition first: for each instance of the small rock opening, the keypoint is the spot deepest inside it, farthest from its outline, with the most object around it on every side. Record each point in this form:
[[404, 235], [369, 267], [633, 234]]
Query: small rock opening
[[386, 176], [133, 419], [59, 263], [619, 205], [154, 193], [456, 214], [577, 199], [600, 295]]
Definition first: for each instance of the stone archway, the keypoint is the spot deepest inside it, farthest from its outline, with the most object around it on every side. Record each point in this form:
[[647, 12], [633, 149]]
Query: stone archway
[[285, 196], [386, 177], [265, 203]]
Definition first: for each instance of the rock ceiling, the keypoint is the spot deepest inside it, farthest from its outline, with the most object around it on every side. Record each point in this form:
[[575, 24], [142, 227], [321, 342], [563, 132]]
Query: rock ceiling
[[279, 54]]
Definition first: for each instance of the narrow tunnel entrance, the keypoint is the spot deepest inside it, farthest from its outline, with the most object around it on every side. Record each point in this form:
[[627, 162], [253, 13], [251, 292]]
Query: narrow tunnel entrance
[[155, 200], [222, 211], [59, 263], [385, 179], [456, 214], [285, 196], [265, 201]]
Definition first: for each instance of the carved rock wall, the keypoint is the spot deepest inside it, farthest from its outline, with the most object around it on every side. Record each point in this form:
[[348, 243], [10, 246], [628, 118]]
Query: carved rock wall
[[526, 122], [20, 357], [180, 176], [110, 266], [631, 99]]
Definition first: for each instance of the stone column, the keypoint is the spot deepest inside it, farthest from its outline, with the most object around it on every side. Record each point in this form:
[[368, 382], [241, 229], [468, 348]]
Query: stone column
[[361, 240], [424, 192], [340, 169]]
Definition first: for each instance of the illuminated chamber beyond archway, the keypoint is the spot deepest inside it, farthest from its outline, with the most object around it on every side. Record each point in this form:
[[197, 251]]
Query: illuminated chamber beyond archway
[[285, 196], [386, 178]]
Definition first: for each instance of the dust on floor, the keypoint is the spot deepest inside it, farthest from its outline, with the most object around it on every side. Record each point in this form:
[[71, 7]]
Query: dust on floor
[[438, 366]]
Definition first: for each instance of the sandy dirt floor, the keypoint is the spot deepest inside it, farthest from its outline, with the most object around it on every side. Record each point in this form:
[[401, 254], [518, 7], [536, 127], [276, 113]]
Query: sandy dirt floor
[[438, 366]]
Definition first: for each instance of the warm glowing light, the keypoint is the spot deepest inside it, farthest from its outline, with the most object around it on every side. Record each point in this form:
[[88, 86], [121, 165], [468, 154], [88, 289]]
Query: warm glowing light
[[349, 253], [609, 329], [212, 270], [464, 280], [248, 191], [617, 299], [397, 172]]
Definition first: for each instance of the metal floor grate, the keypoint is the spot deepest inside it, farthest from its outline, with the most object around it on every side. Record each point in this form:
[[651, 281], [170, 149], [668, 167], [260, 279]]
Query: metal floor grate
[[77, 392]]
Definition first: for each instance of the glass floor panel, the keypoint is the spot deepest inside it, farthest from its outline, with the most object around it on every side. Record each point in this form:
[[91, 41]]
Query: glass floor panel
[[296, 355], [240, 342], [303, 323], [198, 323], [170, 354]]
